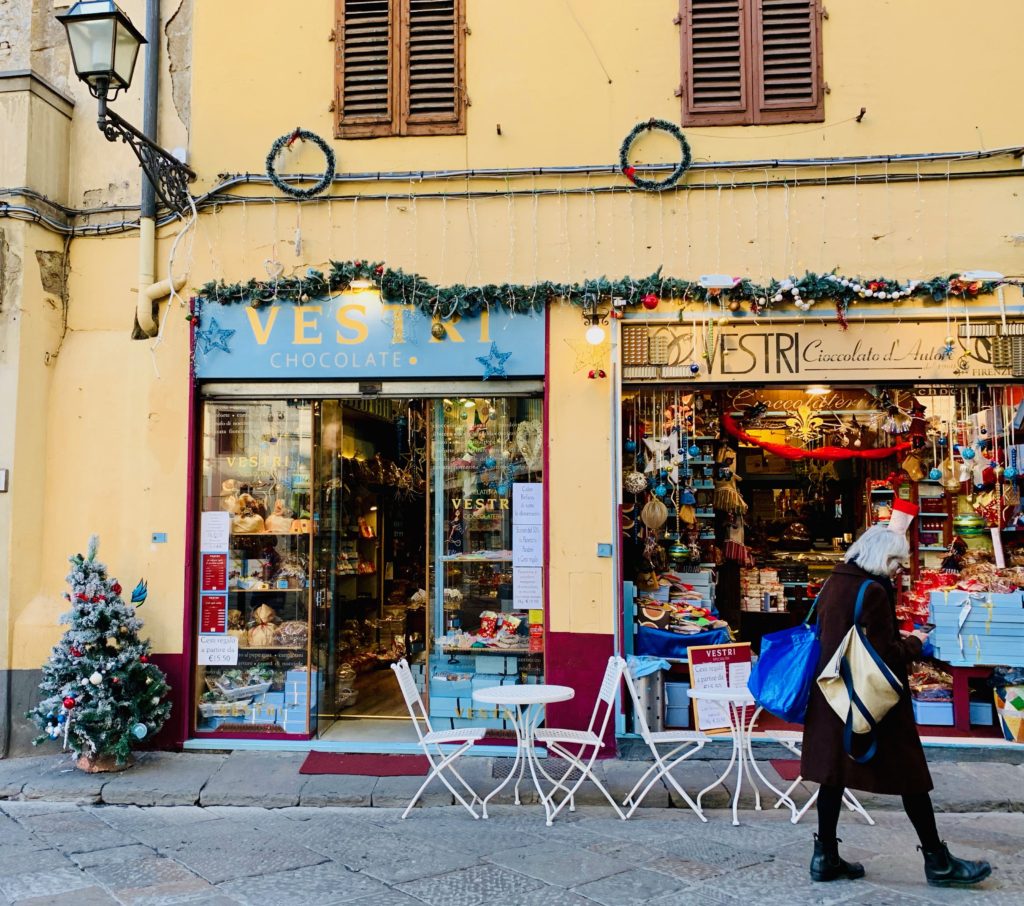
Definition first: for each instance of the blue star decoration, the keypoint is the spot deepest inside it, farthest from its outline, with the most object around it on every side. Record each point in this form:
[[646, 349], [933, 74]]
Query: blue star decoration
[[213, 337], [494, 362]]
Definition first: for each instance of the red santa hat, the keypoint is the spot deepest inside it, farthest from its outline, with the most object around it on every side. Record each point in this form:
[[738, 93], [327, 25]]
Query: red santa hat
[[903, 513]]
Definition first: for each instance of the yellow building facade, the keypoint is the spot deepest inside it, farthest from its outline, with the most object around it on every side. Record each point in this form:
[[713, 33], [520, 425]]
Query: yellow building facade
[[914, 173]]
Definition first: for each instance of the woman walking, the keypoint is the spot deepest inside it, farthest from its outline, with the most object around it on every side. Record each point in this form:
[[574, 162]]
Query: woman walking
[[898, 767]]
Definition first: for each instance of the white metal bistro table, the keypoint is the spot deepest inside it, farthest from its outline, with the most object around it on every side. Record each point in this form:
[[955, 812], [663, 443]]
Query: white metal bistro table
[[736, 700], [525, 707]]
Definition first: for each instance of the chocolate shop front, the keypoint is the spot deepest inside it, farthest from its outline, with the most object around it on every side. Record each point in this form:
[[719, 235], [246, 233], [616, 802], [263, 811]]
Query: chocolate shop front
[[752, 454], [368, 486]]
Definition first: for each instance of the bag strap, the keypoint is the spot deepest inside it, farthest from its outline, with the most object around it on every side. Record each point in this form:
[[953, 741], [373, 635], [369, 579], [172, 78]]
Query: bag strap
[[807, 619], [856, 701], [883, 667]]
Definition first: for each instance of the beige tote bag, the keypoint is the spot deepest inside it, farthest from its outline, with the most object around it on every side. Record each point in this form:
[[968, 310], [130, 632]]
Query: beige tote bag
[[858, 684]]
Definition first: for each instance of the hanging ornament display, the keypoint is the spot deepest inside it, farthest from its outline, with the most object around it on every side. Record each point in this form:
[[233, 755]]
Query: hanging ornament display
[[795, 453], [650, 301]]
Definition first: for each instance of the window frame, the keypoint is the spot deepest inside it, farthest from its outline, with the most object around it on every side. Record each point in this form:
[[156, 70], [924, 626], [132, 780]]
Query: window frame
[[754, 110], [399, 121]]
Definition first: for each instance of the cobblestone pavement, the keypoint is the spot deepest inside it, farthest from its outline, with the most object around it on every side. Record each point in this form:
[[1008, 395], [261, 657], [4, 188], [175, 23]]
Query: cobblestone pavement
[[63, 852]]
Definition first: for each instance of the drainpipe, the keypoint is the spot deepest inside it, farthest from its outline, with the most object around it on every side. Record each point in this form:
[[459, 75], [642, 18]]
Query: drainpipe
[[150, 291]]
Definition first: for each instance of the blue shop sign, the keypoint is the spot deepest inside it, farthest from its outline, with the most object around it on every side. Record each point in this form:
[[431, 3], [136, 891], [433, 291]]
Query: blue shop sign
[[357, 335]]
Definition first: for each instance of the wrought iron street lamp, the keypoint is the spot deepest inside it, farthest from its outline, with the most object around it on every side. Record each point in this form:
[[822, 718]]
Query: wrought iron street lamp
[[104, 48]]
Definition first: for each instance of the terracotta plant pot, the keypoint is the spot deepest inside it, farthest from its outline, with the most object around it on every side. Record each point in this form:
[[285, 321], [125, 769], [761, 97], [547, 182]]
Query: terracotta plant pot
[[101, 764]]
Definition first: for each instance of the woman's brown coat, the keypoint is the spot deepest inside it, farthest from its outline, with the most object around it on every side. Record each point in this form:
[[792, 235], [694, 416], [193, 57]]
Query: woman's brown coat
[[899, 765]]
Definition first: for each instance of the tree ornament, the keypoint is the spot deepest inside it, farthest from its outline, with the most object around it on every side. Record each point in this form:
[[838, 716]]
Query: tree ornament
[[139, 731], [286, 141], [76, 652], [96, 678], [144, 658], [694, 450], [494, 362], [61, 718], [661, 490], [155, 700], [438, 331], [694, 367], [967, 453], [1009, 473], [116, 588], [69, 702], [650, 185], [630, 445], [650, 301], [935, 474], [734, 306]]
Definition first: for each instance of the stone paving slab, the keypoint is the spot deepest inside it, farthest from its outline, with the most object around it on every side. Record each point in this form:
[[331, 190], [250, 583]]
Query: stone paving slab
[[337, 789], [60, 781], [163, 778], [260, 779]]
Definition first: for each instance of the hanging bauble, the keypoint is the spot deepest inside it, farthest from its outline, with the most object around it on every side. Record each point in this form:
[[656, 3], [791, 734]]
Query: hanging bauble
[[155, 700], [661, 490], [983, 430], [967, 452], [681, 451], [52, 730], [502, 490], [76, 652], [1009, 473], [437, 330], [694, 450], [490, 462], [634, 482], [935, 474], [694, 367], [734, 306], [61, 718], [116, 588], [69, 702], [96, 678], [650, 301], [139, 731], [143, 659], [630, 446], [943, 440]]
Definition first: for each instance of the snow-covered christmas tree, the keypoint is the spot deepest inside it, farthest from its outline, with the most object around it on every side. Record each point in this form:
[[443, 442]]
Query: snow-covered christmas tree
[[101, 694]]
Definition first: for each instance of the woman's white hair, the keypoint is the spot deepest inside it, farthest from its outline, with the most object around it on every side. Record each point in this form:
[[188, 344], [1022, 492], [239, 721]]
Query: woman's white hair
[[879, 551]]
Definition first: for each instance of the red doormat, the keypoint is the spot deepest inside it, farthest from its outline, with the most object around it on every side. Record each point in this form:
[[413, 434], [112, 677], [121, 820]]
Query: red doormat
[[367, 765], [786, 768]]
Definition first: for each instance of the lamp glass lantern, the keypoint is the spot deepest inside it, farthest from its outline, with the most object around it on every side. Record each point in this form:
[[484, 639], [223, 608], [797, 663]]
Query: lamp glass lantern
[[104, 45]]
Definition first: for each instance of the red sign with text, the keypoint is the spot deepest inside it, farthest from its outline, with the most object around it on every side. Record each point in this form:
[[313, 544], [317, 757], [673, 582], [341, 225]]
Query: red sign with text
[[213, 613], [215, 572]]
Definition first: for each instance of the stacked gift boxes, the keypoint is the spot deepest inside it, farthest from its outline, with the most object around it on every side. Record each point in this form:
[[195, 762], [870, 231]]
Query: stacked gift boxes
[[973, 628], [759, 585], [451, 698], [299, 696]]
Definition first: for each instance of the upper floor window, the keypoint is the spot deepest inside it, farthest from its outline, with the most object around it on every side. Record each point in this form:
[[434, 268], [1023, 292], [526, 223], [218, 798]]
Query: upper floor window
[[751, 62], [399, 68]]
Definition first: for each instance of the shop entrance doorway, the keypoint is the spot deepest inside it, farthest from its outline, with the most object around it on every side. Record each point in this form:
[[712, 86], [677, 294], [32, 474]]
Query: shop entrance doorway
[[369, 568]]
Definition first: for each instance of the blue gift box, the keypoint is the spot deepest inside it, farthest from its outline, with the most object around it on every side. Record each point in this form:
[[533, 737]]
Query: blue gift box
[[992, 633], [446, 684], [489, 680], [458, 706], [496, 663]]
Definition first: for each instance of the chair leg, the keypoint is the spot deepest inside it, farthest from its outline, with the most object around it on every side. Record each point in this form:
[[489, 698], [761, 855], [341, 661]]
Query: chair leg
[[853, 804], [437, 771]]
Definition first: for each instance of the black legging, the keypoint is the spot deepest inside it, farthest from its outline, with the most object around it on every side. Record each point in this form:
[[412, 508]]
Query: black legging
[[918, 807]]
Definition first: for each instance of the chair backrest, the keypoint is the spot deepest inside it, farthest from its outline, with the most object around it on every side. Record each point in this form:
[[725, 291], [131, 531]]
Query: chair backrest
[[639, 711], [412, 697], [605, 704]]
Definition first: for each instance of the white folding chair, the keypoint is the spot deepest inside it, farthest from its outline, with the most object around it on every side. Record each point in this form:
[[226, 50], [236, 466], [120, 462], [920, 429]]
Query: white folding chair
[[432, 740], [790, 739], [686, 744], [592, 738]]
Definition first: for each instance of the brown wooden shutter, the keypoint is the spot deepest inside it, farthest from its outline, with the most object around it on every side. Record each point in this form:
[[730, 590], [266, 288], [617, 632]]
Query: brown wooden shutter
[[365, 84], [715, 52], [787, 60], [432, 80]]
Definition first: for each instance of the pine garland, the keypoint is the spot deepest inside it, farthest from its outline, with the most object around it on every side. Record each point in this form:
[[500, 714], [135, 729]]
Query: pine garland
[[396, 286]]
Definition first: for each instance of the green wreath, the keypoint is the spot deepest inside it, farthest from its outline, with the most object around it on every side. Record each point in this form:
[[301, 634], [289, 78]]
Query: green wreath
[[652, 185], [286, 141]]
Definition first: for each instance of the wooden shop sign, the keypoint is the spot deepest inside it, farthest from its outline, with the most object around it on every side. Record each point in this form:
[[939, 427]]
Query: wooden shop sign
[[815, 353]]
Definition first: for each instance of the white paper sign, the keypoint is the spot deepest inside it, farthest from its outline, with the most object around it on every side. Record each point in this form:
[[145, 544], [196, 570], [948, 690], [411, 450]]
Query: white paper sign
[[218, 650], [528, 503], [527, 545], [214, 531], [711, 715], [527, 588]]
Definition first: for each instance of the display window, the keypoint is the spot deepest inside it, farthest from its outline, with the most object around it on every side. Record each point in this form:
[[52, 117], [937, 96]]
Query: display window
[[336, 536], [738, 501]]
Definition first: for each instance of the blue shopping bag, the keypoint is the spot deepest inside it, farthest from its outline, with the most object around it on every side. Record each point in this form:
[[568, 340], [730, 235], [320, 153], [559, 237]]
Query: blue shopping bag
[[781, 679]]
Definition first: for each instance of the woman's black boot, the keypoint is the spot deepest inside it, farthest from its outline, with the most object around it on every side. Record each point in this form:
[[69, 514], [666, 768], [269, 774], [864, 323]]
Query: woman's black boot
[[943, 869], [827, 866]]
